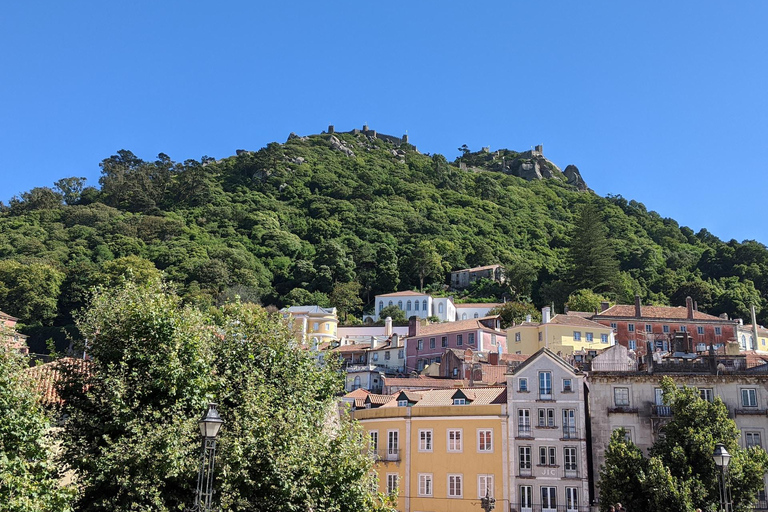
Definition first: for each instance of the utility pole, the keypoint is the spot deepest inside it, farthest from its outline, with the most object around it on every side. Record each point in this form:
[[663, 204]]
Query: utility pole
[[488, 503]]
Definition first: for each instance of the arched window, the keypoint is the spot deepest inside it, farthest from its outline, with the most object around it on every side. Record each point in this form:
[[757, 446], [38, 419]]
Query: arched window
[[400, 304], [356, 385], [381, 305], [408, 306], [476, 315], [743, 342], [440, 308], [463, 316], [416, 305], [390, 303], [424, 305]]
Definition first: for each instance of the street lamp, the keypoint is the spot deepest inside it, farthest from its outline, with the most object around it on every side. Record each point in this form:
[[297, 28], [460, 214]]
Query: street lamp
[[722, 458], [209, 428]]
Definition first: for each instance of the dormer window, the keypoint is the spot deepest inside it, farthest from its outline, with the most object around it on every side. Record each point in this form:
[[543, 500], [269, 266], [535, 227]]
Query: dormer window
[[459, 401], [402, 403]]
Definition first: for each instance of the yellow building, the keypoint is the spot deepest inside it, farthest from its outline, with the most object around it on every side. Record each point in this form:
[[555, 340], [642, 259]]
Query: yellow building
[[562, 334], [313, 324], [441, 450]]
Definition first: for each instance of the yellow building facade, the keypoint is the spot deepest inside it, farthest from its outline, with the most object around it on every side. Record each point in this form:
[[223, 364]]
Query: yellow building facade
[[563, 334], [313, 324], [441, 449]]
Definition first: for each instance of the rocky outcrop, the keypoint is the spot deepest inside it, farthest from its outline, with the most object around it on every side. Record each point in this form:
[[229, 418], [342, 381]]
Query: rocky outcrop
[[337, 145], [574, 178]]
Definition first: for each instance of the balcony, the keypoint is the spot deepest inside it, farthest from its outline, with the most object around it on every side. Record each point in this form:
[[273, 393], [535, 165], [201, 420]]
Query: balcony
[[554, 508], [387, 455], [622, 409], [524, 431], [525, 472], [569, 432], [571, 473], [545, 393], [661, 411]]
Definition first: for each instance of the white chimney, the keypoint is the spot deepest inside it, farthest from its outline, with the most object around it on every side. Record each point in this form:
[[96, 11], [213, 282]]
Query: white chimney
[[545, 315], [528, 318], [395, 340], [388, 326]]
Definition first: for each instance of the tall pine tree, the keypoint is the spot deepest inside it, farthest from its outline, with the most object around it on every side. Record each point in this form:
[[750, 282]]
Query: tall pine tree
[[592, 261]]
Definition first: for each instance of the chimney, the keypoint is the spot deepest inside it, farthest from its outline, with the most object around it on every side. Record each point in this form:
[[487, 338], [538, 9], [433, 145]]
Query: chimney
[[638, 309], [545, 315], [413, 326], [374, 343], [741, 322], [468, 355], [565, 310], [689, 305], [695, 306], [754, 326], [528, 318], [604, 305], [493, 358], [388, 326], [395, 340]]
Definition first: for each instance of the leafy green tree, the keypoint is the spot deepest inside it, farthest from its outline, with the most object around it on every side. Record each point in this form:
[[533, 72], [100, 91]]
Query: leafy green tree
[[30, 291], [397, 315], [426, 262], [515, 313], [346, 298], [585, 300], [591, 257], [70, 189], [29, 480], [134, 268]]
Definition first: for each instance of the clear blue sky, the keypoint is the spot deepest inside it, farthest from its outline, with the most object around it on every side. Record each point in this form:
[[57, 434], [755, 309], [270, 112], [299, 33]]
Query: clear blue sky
[[661, 102]]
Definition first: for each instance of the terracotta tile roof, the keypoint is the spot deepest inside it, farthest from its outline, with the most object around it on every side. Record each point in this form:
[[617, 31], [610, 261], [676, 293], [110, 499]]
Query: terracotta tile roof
[[576, 321], [661, 312], [442, 397], [582, 314], [755, 359], [423, 382], [760, 329], [494, 374], [350, 348], [515, 357], [308, 309], [6, 316], [46, 376], [479, 305], [461, 325], [404, 293], [358, 393], [379, 399], [474, 269]]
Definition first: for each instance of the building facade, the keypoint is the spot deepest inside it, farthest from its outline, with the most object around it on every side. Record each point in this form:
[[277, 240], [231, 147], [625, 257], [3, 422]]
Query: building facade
[[562, 334], [313, 324], [466, 276]]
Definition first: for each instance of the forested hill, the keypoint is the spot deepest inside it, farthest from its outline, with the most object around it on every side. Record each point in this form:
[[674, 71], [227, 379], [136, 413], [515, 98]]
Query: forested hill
[[289, 223]]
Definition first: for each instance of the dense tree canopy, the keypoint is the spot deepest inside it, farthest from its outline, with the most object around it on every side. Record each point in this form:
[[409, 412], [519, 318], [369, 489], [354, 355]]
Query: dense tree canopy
[[306, 215]]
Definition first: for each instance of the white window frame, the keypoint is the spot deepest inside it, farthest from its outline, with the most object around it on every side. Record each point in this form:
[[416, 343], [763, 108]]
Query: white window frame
[[603, 338], [616, 402], [393, 448], [590, 336], [393, 483], [526, 498], [486, 447], [455, 483], [522, 384], [576, 335], [665, 329], [570, 462], [524, 458], [707, 394], [551, 498], [426, 440], [425, 484], [571, 499], [630, 327], [459, 401], [700, 330], [718, 331], [632, 344], [373, 435], [569, 387], [454, 440], [751, 395], [484, 485], [750, 437]]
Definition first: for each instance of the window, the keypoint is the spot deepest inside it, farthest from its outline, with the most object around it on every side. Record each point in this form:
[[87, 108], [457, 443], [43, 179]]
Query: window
[[381, 305], [315, 326], [356, 383], [522, 384], [393, 447], [425, 484], [631, 344], [387, 355], [471, 338], [408, 306], [576, 335], [431, 342], [603, 338], [648, 328], [525, 457], [375, 356], [718, 331], [752, 439], [485, 440], [545, 385], [454, 486], [621, 397], [706, 394], [400, 304], [459, 340], [631, 327], [476, 315], [392, 479], [683, 328], [613, 325], [517, 337], [540, 335], [547, 456], [523, 422], [627, 433], [546, 417], [749, 397], [526, 498], [590, 336], [402, 403], [569, 424], [463, 316], [493, 339], [665, 329], [569, 461], [454, 440], [459, 401], [571, 499], [567, 385], [400, 353], [548, 498], [700, 330], [420, 345], [416, 306], [424, 305], [484, 486], [425, 440], [444, 341], [440, 308], [390, 303], [374, 435]]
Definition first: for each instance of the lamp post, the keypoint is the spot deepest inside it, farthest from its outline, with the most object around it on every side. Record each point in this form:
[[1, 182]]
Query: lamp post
[[722, 458], [209, 428]]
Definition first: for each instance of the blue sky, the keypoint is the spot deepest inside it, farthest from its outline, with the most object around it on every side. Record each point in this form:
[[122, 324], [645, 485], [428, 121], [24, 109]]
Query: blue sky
[[661, 102]]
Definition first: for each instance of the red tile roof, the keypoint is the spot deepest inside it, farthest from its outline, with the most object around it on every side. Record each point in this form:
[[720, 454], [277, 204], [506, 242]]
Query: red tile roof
[[442, 397], [660, 312], [458, 326], [46, 376], [515, 357], [576, 321], [404, 293], [423, 382], [358, 393]]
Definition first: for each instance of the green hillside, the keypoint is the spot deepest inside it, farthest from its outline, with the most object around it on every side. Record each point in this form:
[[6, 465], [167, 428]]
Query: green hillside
[[285, 224]]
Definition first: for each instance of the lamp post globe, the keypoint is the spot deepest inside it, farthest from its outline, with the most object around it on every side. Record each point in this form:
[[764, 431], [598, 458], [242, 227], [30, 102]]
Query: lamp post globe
[[211, 422], [722, 458]]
